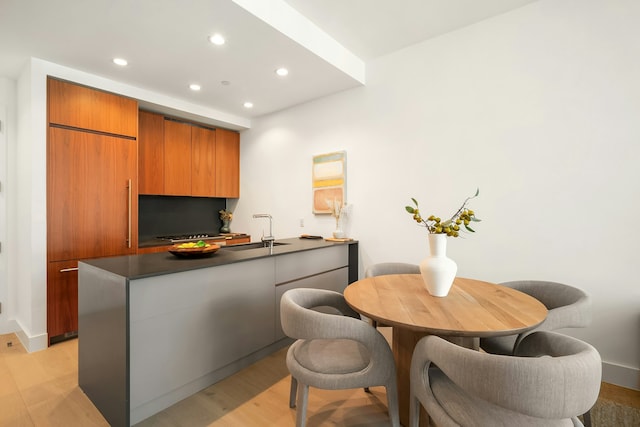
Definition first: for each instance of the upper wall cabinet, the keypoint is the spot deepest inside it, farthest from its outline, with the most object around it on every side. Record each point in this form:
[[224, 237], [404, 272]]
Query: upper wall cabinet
[[203, 161], [87, 108], [182, 159], [151, 153], [227, 163], [177, 158]]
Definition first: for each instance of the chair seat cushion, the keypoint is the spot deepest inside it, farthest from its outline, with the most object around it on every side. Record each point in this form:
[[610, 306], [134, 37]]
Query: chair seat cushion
[[335, 356], [469, 410]]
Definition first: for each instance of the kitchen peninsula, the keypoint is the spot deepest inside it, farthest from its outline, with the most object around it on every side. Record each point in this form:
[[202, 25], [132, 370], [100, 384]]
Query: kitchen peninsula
[[155, 328]]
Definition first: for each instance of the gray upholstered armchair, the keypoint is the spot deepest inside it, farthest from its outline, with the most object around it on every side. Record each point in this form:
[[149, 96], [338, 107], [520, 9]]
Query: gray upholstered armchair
[[568, 307], [383, 268], [333, 351], [549, 381]]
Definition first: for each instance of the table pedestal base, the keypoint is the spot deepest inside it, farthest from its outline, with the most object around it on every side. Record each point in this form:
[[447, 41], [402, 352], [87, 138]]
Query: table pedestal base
[[403, 343]]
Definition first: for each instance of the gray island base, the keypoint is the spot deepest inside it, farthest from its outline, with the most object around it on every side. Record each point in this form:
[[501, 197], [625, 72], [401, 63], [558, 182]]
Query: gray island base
[[155, 329]]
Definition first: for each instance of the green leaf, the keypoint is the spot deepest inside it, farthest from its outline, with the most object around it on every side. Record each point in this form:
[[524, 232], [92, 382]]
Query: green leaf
[[415, 202], [474, 219], [469, 229], [477, 192], [410, 209]]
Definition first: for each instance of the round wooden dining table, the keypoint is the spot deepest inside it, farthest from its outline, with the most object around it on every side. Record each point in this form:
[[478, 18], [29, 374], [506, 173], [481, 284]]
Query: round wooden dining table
[[473, 309]]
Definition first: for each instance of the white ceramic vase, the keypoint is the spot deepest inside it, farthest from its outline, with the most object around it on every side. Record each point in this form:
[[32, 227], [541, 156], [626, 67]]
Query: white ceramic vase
[[339, 233], [438, 270]]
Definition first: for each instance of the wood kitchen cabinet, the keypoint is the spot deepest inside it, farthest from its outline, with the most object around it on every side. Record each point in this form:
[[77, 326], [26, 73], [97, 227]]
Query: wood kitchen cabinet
[[189, 160], [177, 158], [93, 203], [62, 295], [86, 108], [92, 194], [185, 159], [203, 162], [151, 153], [227, 164]]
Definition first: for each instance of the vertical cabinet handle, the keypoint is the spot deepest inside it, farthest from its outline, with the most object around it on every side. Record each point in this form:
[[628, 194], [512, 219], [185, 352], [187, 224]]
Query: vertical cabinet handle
[[129, 215]]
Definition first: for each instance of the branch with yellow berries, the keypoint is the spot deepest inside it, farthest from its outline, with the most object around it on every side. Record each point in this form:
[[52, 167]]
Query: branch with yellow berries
[[450, 227]]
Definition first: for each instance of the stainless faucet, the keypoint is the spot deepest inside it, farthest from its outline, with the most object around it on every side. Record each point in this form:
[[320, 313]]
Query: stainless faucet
[[267, 239]]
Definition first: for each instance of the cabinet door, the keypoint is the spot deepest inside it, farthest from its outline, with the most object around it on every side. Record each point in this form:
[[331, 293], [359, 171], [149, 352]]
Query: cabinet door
[[92, 198], [87, 108], [62, 299], [227, 163], [150, 153], [177, 158], [203, 162], [335, 280]]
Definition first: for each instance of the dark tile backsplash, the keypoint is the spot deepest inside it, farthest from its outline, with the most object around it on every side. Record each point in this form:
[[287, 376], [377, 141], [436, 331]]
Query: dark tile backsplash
[[176, 215]]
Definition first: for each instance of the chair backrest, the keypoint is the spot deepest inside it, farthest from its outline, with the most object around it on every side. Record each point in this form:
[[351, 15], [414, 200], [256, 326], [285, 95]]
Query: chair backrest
[[552, 376], [568, 307], [300, 321], [572, 369], [385, 268]]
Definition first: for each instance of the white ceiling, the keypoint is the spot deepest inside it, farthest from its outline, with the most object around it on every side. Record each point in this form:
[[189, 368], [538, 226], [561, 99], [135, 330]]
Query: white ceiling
[[165, 42]]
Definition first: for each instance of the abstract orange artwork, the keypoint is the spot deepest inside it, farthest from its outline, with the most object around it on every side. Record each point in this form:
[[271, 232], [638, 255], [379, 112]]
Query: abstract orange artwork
[[329, 178]]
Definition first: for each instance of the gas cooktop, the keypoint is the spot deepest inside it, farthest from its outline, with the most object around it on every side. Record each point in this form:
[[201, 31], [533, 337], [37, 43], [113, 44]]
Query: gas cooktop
[[187, 237]]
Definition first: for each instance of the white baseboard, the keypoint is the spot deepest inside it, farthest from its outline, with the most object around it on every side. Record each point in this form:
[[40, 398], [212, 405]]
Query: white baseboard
[[622, 376], [31, 343]]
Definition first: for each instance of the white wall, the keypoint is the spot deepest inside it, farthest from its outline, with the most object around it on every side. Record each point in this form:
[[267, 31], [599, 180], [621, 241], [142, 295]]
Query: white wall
[[538, 108], [7, 133]]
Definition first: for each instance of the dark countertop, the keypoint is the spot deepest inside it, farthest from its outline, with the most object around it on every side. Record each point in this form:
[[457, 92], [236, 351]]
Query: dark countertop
[[148, 265]]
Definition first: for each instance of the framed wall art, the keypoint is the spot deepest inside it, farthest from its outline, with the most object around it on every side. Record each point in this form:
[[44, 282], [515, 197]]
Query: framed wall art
[[329, 179]]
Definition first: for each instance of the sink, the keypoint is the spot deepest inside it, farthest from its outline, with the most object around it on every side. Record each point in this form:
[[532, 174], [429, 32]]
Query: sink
[[246, 246]]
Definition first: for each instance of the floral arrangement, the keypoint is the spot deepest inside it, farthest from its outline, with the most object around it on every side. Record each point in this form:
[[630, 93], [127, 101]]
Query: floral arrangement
[[226, 215], [336, 208], [451, 226]]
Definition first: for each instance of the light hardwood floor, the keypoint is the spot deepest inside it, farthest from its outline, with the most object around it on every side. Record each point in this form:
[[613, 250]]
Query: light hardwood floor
[[41, 389]]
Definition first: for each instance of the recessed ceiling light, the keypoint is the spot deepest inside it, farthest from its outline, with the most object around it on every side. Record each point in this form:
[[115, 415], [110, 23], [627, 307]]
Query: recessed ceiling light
[[248, 105], [217, 39], [194, 87], [120, 61], [282, 72]]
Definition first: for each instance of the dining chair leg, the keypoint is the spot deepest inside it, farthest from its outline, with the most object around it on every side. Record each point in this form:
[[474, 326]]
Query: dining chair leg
[[303, 398], [587, 418], [392, 404], [292, 393]]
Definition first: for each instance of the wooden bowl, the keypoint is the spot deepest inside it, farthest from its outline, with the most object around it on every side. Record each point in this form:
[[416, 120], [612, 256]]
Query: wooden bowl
[[194, 252]]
